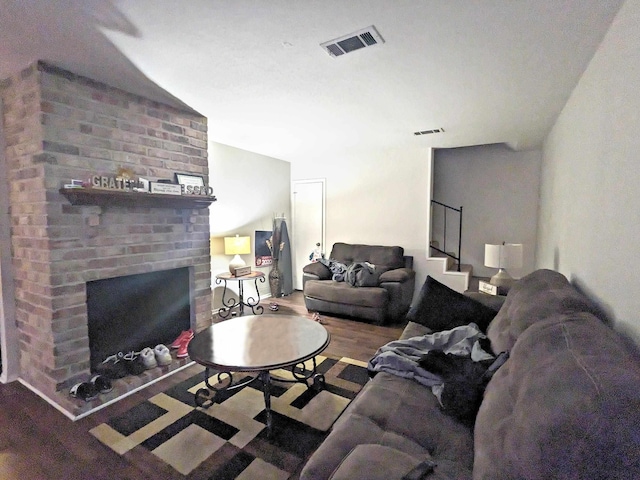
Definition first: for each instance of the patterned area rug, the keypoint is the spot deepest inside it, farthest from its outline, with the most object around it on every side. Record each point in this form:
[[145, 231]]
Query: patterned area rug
[[229, 439]]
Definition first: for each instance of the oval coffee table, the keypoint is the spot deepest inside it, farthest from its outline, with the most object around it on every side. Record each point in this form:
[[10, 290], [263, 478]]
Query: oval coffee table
[[258, 343]]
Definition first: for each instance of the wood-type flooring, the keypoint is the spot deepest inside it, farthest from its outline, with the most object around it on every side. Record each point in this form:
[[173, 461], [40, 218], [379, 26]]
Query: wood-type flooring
[[37, 442]]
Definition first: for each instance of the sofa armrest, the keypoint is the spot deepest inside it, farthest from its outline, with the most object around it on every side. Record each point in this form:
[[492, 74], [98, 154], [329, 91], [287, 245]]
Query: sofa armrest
[[318, 269], [400, 275], [399, 283]]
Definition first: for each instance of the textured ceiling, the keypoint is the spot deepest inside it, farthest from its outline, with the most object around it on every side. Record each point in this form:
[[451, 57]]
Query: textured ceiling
[[485, 71]]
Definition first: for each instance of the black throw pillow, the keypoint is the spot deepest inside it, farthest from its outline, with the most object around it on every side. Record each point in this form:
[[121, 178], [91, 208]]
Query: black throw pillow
[[441, 308]]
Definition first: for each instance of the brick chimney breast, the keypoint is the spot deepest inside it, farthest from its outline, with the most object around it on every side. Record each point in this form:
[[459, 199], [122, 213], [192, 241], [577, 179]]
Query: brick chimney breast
[[60, 126]]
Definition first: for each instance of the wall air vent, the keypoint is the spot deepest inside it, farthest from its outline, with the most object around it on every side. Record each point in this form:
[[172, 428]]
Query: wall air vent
[[367, 37], [429, 132]]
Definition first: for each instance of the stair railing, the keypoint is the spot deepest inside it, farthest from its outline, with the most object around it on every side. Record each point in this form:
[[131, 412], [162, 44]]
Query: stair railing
[[445, 209]]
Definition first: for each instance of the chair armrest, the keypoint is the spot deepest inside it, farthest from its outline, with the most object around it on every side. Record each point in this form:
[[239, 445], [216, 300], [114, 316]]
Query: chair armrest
[[399, 275], [318, 269]]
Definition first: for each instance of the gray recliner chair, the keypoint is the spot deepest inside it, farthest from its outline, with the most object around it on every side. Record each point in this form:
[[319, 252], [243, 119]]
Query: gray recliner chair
[[387, 302]]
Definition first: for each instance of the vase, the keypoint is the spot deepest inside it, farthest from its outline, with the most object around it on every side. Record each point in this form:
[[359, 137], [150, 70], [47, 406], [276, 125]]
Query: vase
[[275, 280]]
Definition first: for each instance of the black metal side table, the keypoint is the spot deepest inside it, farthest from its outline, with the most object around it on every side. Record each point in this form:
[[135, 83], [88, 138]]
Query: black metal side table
[[231, 302]]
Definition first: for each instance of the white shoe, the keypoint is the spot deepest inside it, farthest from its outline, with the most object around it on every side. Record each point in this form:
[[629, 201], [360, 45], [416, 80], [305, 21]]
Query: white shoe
[[148, 358], [163, 355]]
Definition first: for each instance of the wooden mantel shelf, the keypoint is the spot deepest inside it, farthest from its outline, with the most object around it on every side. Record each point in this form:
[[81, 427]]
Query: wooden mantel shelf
[[119, 198]]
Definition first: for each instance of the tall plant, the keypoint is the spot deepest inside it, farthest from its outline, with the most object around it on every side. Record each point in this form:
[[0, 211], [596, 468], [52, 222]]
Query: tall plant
[[275, 243]]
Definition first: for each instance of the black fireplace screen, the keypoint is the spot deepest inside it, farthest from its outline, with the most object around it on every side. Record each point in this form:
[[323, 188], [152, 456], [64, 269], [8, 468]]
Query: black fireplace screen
[[136, 311]]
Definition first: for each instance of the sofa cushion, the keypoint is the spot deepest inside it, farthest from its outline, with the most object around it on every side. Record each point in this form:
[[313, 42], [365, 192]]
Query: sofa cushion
[[386, 412], [318, 269], [441, 308], [384, 258], [379, 462], [413, 329], [535, 297], [342, 292], [375, 462], [565, 405]]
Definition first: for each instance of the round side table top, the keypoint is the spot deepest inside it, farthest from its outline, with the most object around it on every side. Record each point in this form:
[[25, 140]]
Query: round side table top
[[250, 276], [259, 342]]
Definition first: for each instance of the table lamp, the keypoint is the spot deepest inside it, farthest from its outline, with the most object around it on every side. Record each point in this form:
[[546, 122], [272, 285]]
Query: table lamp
[[507, 255], [236, 246]]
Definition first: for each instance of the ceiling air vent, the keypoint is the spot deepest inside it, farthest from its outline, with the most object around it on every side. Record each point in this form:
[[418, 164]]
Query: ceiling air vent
[[367, 37], [429, 132]]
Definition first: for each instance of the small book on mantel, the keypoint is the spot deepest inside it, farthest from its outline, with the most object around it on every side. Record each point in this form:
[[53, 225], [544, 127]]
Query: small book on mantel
[[486, 287]]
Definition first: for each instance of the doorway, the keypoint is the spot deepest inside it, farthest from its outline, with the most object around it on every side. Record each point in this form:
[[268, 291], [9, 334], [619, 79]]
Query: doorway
[[308, 222]]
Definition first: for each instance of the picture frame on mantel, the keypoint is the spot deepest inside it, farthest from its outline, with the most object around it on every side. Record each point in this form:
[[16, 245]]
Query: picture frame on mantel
[[189, 180]]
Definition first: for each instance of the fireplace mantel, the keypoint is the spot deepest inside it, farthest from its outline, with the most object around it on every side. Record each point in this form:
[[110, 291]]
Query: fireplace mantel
[[116, 198]]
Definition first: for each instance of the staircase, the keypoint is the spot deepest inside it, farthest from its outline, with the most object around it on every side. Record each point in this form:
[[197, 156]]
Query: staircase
[[445, 270], [443, 265]]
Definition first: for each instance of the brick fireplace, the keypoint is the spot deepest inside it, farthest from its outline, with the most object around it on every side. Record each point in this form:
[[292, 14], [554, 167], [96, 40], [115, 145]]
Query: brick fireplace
[[59, 126]]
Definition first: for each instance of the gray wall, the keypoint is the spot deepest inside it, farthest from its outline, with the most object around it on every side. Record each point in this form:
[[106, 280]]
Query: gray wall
[[498, 189], [590, 195]]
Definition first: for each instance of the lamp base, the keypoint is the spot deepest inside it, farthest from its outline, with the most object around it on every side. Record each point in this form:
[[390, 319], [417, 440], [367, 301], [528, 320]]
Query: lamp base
[[502, 280], [236, 262]]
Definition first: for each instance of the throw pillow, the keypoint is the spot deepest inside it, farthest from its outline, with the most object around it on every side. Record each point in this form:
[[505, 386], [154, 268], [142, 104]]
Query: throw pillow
[[441, 308]]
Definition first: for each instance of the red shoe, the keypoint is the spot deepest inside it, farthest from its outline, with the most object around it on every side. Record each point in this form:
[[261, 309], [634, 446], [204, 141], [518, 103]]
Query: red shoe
[[178, 341], [182, 349]]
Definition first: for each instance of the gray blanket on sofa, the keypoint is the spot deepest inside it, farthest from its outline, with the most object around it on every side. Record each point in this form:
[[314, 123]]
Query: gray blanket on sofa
[[401, 357]]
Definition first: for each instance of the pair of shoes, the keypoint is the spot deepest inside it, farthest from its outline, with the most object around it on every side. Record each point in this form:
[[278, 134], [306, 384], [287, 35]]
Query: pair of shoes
[[88, 391], [185, 335], [316, 318], [160, 355], [182, 342], [273, 306], [163, 355]]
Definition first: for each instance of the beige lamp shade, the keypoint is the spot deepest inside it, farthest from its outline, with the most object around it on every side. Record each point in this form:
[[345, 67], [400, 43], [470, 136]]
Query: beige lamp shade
[[507, 255], [237, 246]]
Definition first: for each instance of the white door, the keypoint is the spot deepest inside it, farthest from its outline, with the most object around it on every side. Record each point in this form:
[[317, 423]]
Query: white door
[[308, 222]]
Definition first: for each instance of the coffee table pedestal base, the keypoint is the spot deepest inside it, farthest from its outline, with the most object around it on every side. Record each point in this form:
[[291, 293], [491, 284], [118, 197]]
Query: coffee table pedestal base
[[205, 397]]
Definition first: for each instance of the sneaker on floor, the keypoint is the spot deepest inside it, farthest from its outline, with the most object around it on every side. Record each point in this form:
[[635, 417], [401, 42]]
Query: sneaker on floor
[[134, 363], [148, 358], [86, 391], [101, 383], [112, 367], [178, 341], [182, 349], [163, 355]]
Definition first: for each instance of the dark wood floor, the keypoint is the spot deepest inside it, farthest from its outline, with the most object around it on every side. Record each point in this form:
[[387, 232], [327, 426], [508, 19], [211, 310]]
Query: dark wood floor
[[37, 442]]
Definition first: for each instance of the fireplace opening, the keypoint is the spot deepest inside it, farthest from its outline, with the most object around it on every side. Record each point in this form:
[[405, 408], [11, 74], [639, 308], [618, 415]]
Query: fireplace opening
[[132, 312]]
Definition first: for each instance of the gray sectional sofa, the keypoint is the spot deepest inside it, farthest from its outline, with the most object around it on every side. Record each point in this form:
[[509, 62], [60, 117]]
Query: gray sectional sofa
[[565, 405]]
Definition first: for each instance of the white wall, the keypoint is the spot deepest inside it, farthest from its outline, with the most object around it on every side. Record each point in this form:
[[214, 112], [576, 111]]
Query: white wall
[[379, 200], [250, 189], [498, 188], [590, 193]]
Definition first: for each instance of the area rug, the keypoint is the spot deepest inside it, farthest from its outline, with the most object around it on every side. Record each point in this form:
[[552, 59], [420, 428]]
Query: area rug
[[229, 439]]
